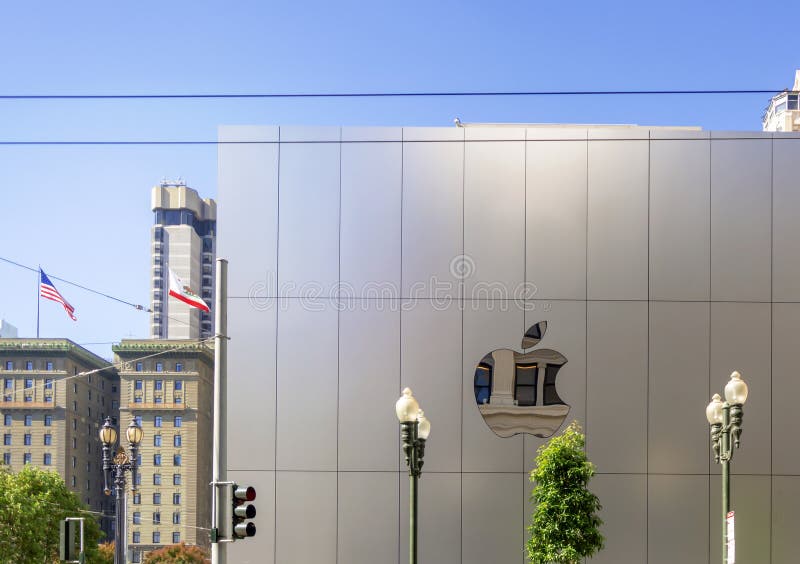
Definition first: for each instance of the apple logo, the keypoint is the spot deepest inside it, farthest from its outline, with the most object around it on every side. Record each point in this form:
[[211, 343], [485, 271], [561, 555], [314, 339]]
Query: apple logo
[[516, 391]]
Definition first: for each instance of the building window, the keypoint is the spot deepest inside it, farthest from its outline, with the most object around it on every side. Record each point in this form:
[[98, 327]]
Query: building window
[[74, 481], [178, 384], [29, 398], [9, 365], [159, 367], [178, 421], [74, 442], [26, 458], [48, 439], [49, 365], [176, 441], [7, 458], [74, 462], [7, 419], [48, 383], [28, 365], [176, 460], [178, 367], [157, 440], [156, 518], [74, 424], [159, 384], [137, 518], [176, 499], [9, 383], [156, 460], [157, 421], [48, 459], [176, 538], [138, 419], [7, 439], [177, 399], [156, 537], [48, 399], [156, 498], [137, 385], [137, 499], [28, 383], [137, 537], [159, 399], [7, 397], [176, 479], [156, 479], [136, 557], [176, 518], [27, 439], [28, 420], [525, 384], [138, 479], [139, 367], [137, 399]]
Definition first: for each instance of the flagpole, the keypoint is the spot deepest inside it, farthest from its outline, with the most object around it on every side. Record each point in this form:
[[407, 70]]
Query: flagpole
[[38, 298]]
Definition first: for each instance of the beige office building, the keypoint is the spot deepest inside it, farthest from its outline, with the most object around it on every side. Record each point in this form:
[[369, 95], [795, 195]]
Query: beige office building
[[170, 393], [52, 414], [783, 111], [183, 239]]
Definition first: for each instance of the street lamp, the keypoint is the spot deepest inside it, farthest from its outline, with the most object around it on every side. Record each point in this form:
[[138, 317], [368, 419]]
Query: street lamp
[[414, 431], [725, 419], [115, 467]]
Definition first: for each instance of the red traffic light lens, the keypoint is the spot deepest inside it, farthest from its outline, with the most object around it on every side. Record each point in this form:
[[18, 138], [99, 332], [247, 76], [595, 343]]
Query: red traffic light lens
[[247, 493]]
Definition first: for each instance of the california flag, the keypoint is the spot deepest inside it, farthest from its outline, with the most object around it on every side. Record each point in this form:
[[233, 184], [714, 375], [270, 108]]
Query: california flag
[[177, 289]]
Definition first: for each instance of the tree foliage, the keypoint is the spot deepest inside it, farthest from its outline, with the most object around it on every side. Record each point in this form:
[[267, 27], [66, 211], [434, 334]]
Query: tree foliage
[[177, 554], [565, 526], [105, 553], [32, 502]]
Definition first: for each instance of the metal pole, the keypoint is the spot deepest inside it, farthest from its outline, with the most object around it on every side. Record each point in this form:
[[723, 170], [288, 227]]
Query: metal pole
[[219, 470], [412, 533], [119, 492], [726, 478]]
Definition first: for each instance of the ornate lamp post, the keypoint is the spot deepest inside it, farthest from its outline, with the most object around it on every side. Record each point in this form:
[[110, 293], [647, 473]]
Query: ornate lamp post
[[725, 419], [115, 468], [414, 431]]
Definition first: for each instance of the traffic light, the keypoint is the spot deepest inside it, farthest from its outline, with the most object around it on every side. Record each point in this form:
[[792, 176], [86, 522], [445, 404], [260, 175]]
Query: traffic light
[[243, 510], [66, 537]]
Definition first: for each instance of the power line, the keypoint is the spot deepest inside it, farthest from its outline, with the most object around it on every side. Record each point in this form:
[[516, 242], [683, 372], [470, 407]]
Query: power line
[[229, 96], [135, 306]]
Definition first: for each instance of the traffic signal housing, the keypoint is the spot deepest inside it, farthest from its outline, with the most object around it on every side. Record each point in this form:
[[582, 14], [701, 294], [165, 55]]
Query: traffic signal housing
[[243, 510]]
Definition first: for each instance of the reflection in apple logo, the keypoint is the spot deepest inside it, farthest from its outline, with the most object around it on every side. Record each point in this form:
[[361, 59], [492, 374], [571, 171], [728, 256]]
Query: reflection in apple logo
[[516, 391]]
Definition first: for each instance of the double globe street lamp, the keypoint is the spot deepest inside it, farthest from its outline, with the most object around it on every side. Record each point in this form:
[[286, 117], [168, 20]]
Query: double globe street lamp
[[725, 419], [414, 431], [115, 467]]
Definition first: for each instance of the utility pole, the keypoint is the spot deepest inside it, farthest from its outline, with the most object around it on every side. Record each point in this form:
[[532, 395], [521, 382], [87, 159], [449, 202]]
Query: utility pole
[[220, 510]]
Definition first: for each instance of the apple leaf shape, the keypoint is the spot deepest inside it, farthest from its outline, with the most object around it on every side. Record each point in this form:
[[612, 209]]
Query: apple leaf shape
[[534, 334]]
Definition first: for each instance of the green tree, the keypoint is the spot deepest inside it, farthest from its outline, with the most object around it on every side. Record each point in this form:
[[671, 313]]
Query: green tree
[[565, 526], [32, 502], [177, 554]]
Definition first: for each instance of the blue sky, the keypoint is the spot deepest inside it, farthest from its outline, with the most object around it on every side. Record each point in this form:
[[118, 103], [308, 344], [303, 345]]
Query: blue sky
[[82, 212]]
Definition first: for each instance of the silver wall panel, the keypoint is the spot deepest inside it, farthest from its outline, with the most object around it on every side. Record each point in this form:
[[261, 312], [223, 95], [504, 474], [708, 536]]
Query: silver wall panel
[[251, 389], [431, 366], [307, 385], [494, 218], [616, 380], [370, 231], [308, 238], [677, 519], [785, 501], [617, 228], [439, 518], [369, 374], [679, 361], [741, 209], [306, 507], [368, 517], [555, 203], [786, 228], [492, 511], [680, 202], [433, 218], [751, 498], [740, 340], [566, 333], [263, 551], [624, 515], [248, 187], [785, 388], [488, 326]]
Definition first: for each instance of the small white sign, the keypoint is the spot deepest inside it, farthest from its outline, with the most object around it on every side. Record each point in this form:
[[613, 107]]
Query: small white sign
[[729, 519]]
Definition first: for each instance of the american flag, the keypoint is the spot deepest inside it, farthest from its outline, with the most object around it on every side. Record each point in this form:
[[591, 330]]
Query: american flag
[[47, 290]]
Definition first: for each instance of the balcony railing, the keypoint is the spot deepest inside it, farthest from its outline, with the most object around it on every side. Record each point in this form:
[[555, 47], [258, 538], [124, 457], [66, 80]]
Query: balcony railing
[[27, 405], [172, 406]]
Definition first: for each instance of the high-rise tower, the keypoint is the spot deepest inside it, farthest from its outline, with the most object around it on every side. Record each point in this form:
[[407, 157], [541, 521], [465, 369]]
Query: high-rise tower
[[184, 240]]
